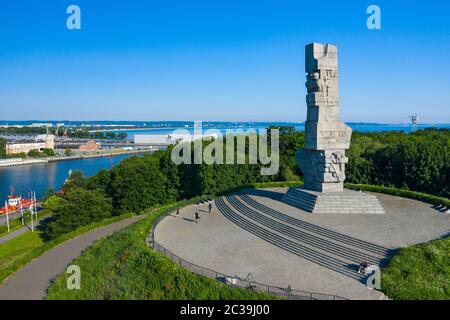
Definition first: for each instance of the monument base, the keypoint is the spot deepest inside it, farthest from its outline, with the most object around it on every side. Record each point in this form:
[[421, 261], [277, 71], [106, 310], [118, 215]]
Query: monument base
[[343, 202]]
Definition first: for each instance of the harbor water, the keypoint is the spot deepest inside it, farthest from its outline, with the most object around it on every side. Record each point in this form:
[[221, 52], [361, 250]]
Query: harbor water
[[51, 175]]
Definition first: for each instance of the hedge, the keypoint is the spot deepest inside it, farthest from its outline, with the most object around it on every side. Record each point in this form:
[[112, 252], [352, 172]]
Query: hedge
[[428, 198]]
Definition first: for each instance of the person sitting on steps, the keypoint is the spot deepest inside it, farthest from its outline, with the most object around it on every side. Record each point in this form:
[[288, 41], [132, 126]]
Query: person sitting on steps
[[362, 269]]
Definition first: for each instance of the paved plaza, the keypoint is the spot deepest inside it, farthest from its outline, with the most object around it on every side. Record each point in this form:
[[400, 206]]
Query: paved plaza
[[280, 245]]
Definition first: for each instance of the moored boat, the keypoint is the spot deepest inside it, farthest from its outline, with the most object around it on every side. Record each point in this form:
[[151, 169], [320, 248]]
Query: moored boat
[[16, 203]]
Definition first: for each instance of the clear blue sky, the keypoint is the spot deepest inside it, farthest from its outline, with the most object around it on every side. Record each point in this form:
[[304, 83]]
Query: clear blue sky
[[220, 60]]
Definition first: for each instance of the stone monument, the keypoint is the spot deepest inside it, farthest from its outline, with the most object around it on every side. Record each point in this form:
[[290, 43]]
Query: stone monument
[[323, 159]]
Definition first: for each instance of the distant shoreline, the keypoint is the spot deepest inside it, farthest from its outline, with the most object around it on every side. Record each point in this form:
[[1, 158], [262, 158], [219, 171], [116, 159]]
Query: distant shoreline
[[34, 161], [130, 129], [232, 126], [174, 123]]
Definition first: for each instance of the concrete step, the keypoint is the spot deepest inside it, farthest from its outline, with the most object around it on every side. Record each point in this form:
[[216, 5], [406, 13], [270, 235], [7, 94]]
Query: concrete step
[[346, 202], [284, 242], [322, 232], [298, 202], [306, 201], [298, 205], [297, 234], [300, 193]]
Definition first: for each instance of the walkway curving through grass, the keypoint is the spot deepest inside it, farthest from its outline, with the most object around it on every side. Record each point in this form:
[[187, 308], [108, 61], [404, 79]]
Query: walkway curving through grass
[[19, 231], [31, 282]]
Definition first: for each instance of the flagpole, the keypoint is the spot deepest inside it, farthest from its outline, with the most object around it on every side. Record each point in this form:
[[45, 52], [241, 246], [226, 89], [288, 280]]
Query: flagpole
[[21, 212], [31, 215], [7, 216], [35, 205]]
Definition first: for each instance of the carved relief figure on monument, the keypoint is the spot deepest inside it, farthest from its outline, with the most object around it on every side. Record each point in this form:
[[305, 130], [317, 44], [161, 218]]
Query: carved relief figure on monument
[[337, 165], [326, 137], [329, 166], [320, 86], [314, 83]]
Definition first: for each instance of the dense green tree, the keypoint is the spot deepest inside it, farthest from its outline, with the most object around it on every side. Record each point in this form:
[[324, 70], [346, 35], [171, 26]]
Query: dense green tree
[[50, 192], [171, 172], [77, 208], [52, 203], [110, 135], [214, 178], [24, 130], [290, 142], [417, 161], [138, 183], [80, 134], [420, 165], [2, 148], [74, 181], [101, 181], [360, 168], [49, 152], [35, 153]]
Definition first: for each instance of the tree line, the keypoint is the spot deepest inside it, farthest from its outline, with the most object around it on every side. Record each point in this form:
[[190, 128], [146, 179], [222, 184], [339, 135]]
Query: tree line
[[71, 132], [417, 161], [85, 134], [2, 148]]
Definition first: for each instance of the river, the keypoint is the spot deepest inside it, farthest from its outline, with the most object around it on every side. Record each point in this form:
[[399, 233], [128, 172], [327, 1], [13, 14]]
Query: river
[[41, 177]]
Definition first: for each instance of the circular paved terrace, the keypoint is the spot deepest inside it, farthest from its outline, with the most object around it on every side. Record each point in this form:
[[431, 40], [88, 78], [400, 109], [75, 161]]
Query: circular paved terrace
[[280, 245]]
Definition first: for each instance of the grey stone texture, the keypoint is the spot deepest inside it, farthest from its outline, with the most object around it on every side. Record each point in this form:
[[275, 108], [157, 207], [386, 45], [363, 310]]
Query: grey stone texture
[[340, 202], [323, 160]]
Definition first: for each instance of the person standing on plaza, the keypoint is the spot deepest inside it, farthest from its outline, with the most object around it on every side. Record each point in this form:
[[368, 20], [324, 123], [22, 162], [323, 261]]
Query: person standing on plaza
[[197, 217]]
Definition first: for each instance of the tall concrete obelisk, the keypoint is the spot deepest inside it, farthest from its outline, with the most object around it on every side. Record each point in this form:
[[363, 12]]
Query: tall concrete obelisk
[[323, 159]]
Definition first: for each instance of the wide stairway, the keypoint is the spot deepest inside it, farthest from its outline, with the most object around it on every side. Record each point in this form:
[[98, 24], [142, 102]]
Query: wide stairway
[[345, 202], [326, 247]]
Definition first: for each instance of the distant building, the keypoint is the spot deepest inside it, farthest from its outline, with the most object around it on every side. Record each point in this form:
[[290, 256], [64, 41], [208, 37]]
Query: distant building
[[166, 139], [40, 142], [90, 145], [41, 125]]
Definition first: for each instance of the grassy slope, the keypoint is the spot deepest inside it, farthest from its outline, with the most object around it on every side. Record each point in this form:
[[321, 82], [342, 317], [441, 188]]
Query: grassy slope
[[20, 250], [130, 270], [419, 272], [16, 250], [122, 266]]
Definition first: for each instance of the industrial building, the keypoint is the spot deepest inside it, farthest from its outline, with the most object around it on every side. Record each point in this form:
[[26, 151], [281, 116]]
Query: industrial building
[[39, 142], [167, 139], [78, 144], [90, 145]]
